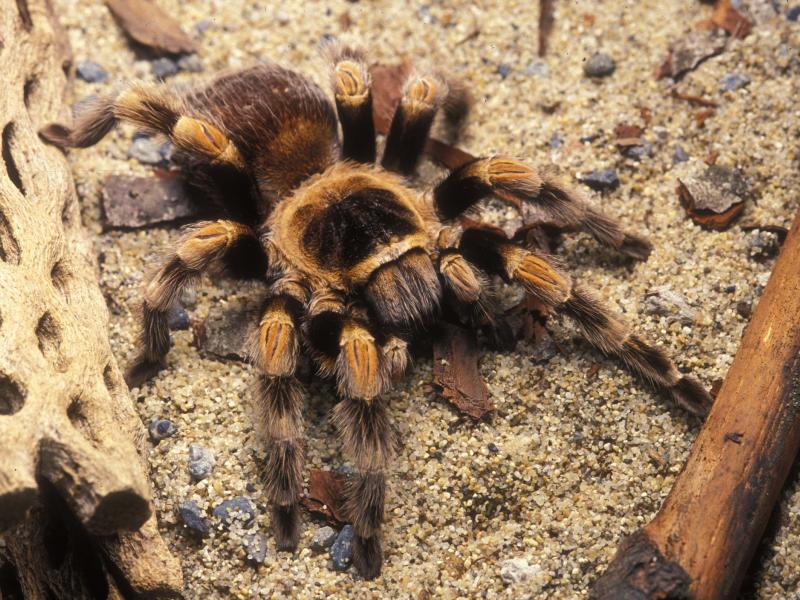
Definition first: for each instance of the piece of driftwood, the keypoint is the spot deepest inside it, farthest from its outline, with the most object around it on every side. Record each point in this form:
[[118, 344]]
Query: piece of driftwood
[[704, 536], [75, 507]]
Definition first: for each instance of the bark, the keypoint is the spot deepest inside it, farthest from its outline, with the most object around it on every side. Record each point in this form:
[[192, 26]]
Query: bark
[[75, 501], [711, 522]]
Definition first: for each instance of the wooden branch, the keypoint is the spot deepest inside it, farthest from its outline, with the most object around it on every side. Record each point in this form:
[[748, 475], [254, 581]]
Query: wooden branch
[[706, 532], [72, 445]]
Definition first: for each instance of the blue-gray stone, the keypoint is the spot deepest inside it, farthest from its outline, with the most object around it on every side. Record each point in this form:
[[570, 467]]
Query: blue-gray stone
[[161, 429], [605, 179], [178, 318], [146, 150], [599, 65], [238, 509], [164, 67], [680, 155], [733, 81], [556, 141], [503, 70], [202, 26], [255, 547], [323, 538], [190, 63], [639, 151], [793, 14], [536, 68], [193, 518], [90, 71], [201, 462], [342, 549]]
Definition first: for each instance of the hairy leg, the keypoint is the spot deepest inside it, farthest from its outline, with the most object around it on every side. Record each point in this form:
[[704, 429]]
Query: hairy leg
[[492, 251], [519, 184]]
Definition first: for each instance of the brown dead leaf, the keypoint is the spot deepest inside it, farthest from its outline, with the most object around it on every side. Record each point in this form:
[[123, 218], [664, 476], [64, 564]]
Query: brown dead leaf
[[698, 100], [149, 25], [731, 20], [326, 495], [688, 52], [701, 116], [593, 371], [714, 199], [345, 22], [711, 158], [456, 374], [387, 88]]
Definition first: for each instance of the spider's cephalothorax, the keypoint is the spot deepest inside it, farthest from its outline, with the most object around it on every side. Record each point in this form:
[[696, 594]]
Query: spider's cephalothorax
[[357, 262]]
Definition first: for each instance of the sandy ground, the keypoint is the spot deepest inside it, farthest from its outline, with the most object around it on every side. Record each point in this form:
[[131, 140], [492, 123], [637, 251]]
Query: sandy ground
[[581, 461]]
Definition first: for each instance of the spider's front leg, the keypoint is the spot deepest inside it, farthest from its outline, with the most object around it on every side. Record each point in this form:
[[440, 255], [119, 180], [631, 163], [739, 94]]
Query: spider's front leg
[[363, 369], [352, 88], [205, 244], [517, 183], [490, 249], [275, 351]]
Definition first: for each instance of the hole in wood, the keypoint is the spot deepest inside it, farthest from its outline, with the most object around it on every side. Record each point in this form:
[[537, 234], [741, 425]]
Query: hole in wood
[[77, 416], [60, 277], [9, 582], [112, 379], [25, 14], [12, 395], [30, 89], [48, 332], [9, 131], [9, 248]]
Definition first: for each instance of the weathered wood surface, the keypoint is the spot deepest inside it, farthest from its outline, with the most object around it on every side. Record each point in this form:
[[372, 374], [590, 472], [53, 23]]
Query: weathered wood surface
[[75, 500], [711, 522]]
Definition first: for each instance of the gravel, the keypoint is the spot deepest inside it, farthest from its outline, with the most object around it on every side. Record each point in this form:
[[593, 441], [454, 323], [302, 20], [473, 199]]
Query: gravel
[[239, 509], [342, 549], [255, 547], [164, 67], [603, 180], [90, 71], [733, 81], [178, 318], [516, 570], [192, 516], [323, 538], [161, 429], [190, 63], [201, 462], [679, 155], [599, 65], [146, 150]]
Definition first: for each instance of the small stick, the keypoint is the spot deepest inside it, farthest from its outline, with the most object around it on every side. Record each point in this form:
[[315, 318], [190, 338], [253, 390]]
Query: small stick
[[704, 536]]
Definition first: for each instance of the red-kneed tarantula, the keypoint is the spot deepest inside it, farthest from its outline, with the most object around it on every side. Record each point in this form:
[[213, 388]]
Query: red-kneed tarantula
[[358, 263]]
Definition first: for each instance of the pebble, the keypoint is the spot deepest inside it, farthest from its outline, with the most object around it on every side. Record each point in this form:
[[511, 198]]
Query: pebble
[[733, 81], [666, 302], [762, 244], [503, 70], [680, 155], [190, 63], [744, 309], [192, 516], [599, 65], [161, 429], [236, 509], [202, 26], [492, 447], [146, 150], [201, 462], [323, 538], [793, 14], [225, 331], [518, 569], [556, 141], [536, 68], [164, 67], [605, 179], [255, 546], [90, 71], [178, 318], [342, 549], [639, 151]]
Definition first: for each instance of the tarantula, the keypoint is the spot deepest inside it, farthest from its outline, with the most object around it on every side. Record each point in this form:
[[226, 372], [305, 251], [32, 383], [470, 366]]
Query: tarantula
[[358, 263]]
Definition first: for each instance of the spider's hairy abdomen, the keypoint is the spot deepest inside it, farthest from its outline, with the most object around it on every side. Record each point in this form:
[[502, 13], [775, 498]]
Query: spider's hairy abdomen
[[282, 123]]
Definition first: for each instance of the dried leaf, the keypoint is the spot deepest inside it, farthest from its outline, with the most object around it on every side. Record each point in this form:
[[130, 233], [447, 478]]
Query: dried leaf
[[714, 199], [132, 202], [456, 374], [149, 25], [688, 52], [387, 88], [326, 495], [701, 116], [546, 22], [226, 330], [712, 157], [698, 100], [730, 19], [628, 135]]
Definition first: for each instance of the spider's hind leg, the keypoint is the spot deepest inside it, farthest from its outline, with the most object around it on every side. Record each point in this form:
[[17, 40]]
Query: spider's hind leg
[[493, 252], [352, 87], [155, 109]]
